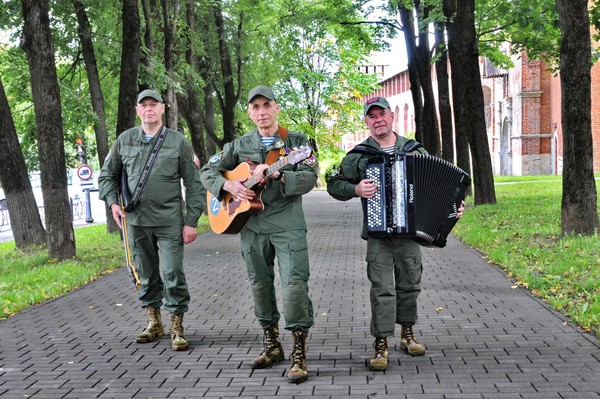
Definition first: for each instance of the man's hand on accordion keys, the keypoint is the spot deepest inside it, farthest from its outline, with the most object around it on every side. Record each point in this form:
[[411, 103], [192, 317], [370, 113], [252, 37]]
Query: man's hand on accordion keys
[[365, 188]]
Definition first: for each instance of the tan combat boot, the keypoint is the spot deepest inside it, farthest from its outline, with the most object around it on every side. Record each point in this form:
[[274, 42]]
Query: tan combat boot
[[153, 329], [298, 371], [273, 351], [178, 342], [408, 342], [379, 361]]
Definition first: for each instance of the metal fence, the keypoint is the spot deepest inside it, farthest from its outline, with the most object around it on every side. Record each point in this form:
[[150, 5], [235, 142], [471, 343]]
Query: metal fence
[[78, 212]]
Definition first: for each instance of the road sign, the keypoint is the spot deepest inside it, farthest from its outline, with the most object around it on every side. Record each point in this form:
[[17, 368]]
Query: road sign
[[84, 172]]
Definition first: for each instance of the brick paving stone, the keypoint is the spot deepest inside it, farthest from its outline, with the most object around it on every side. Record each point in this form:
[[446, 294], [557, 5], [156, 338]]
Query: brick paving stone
[[484, 339]]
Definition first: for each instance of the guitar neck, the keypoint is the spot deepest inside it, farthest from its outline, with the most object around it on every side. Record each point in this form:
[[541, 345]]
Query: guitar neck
[[253, 180]]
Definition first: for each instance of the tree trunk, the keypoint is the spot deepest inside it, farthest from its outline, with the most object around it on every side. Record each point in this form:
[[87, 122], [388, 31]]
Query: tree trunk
[[229, 99], [455, 52], [579, 210], [37, 42], [413, 72], [431, 131], [128, 85], [91, 67], [209, 121], [188, 103], [466, 68], [171, 113], [26, 223], [148, 54], [445, 109], [130, 58]]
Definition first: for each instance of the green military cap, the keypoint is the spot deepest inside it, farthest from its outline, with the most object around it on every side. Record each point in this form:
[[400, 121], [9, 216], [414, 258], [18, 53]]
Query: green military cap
[[151, 94], [376, 101], [261, 91]]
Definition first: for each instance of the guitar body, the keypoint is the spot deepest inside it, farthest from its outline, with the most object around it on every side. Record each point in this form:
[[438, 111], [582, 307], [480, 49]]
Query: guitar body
[[230, 215]]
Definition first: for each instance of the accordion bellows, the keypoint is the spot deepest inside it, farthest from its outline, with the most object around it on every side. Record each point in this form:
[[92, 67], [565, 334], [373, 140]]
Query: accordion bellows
[[417, 197]]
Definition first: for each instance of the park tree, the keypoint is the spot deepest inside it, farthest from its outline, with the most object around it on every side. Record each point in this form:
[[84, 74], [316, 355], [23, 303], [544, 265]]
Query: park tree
[[91, 67], [443, 90], [557, 32], [37, 43], [579, 211], [26, 223], [420, 15], [315, 48], [130, 61], [468, 98], [188, 99], [228, 50], [84, 31], [170, 10]]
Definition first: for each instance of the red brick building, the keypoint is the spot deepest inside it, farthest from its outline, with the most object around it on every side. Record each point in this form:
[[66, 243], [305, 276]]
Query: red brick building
[[522, 111]]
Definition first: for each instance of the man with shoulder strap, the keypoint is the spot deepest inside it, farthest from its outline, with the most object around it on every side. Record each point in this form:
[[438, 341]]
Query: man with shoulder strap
[[393, 264], [278, 231], [156, 160]]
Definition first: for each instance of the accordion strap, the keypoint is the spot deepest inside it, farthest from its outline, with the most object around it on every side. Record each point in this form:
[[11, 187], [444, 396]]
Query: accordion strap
[[410, 146], [366, 149]]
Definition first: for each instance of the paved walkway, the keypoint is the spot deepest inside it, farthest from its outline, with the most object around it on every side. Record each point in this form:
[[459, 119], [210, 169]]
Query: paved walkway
[[484, 339]]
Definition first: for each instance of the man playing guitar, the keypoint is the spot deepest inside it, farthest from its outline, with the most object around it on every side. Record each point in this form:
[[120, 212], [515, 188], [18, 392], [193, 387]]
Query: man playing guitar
[[277, 230]]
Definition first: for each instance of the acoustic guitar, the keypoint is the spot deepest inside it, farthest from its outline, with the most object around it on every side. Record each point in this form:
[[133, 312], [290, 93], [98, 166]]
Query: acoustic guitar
[[230, 215]]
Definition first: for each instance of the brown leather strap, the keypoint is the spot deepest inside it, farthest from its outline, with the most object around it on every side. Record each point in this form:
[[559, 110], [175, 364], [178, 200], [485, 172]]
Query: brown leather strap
[[273, 155]]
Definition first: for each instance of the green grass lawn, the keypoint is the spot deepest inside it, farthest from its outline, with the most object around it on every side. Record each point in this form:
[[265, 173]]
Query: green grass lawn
[[30, 278], [520, 234]]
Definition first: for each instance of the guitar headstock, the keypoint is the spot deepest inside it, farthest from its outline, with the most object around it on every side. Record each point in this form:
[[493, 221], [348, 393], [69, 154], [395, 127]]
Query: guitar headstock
[[299, 154]]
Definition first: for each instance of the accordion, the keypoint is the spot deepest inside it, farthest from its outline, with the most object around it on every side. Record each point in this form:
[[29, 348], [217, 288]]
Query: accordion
[[417, 197]]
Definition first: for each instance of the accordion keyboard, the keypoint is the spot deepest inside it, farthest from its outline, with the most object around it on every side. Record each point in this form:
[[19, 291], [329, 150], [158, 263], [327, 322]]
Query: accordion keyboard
[[376, 211]]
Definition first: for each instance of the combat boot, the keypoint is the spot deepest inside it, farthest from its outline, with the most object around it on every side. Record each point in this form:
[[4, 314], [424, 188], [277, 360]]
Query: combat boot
[[408, 342], [379, 361], [273, 351], [153, 329], [178, 342], [298, 371]]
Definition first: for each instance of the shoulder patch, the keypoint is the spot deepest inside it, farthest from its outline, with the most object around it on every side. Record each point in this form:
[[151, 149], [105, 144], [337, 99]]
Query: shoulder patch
[[311, 161], [216, 158]]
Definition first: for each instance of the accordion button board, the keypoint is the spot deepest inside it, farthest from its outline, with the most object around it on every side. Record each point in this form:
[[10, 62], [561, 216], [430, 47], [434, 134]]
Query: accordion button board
[[417, 197]]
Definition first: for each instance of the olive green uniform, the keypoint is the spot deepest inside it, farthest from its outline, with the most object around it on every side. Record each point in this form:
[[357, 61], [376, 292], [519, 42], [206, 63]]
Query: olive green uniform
[[393, 264], [155, 226], [278, 231]]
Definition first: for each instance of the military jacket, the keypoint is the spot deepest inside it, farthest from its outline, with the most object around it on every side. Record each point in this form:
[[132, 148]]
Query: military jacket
[[351, 171], [161, 201], [282, 202]]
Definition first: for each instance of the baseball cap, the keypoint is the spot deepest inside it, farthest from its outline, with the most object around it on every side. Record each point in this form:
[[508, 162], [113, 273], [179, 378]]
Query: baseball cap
[[261, 91], [149, 93], [376, 101]]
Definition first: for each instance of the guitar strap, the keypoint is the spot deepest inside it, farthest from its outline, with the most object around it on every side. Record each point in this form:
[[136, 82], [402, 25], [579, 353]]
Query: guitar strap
[[274, 153], [132, 202]]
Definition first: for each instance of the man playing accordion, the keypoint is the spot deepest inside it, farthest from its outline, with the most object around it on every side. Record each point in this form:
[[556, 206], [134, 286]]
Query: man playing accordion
[[394, 265]]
